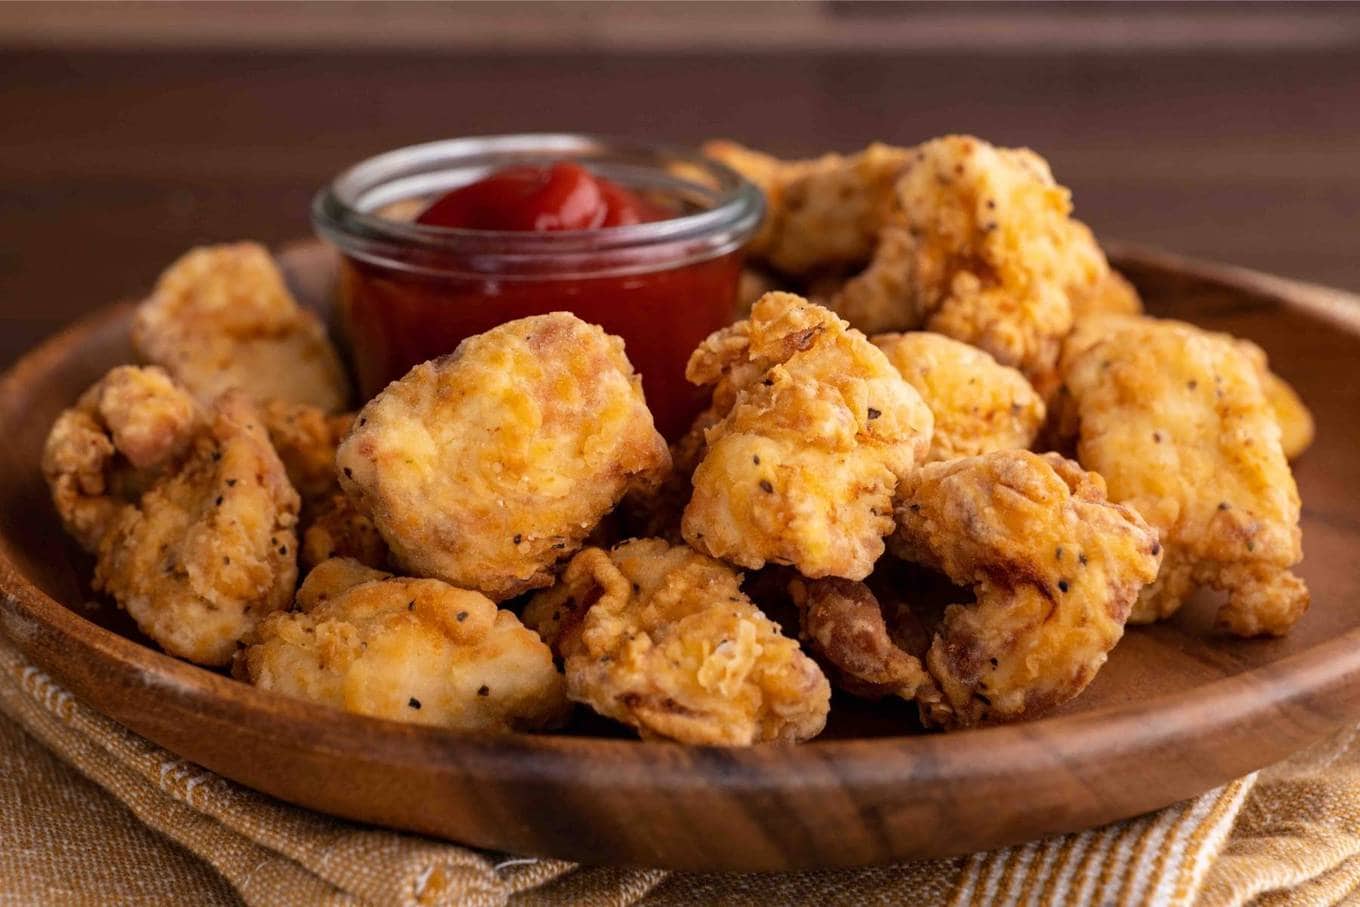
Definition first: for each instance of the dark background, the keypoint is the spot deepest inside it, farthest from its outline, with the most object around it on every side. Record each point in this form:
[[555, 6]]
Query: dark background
[[131, 132]]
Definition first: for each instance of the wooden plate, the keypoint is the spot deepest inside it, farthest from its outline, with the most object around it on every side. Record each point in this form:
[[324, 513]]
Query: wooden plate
[[1176, 710]]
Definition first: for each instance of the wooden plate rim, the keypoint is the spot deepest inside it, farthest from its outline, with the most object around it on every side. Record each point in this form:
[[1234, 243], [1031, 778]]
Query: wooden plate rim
[[1036, 746]]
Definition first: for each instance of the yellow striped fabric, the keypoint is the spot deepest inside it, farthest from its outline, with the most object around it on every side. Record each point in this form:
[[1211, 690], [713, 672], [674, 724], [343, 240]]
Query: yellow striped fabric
[[1290, 836]]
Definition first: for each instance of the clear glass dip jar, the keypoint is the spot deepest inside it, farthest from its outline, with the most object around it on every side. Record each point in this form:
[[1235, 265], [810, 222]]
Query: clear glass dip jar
[[410, 292]]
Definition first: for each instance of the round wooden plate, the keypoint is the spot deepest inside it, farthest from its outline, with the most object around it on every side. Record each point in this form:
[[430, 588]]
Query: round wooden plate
[[1177, 709]]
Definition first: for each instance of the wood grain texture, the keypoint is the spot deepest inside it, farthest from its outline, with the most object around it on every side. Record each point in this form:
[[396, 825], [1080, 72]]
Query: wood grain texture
[[1176, 711], [119, 161]]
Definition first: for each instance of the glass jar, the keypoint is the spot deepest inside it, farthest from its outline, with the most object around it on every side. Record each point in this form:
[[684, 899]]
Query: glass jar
[[410, 292]]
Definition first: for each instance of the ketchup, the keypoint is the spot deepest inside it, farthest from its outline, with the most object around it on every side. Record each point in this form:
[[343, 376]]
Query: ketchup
[[565, 196], [398, 318]]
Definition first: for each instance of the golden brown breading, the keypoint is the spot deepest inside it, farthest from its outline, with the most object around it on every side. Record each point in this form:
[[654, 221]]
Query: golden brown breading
[[103, 452], [844, 625], [485, 467], [414, 650], [210, 548], [821, 427], [1112, 296], [1055, 568], [819, 214], [1293, 416], [1176, 421], [981, 247], [663, 639], [979, 404], [221, 317], [656, 512], [331, 526], [305, 438]]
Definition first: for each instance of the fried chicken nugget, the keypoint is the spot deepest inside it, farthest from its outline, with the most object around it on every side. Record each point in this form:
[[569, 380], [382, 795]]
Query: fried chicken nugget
[[979, 405], [197, 549], [1113, 295], [1176, 421], [981, 247], [102, 453], [662, 638], [221, 317], [415, 650], [845, 626], [1055, 568], [487, 466], [1292, 414], [819, 214], [306, 439], [821, 427]]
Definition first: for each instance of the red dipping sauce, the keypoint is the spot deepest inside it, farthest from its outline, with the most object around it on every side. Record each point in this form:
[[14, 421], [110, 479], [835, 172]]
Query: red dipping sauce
[[654, 259]]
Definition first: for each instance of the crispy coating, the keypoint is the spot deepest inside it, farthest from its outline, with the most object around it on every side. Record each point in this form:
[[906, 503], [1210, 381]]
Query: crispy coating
[[1113, 295], [221, 317], [1176, 421], [414, 650], [210, 548], [103, 452], [979, 404], [1292, 414], [1296, 421], [819, 214], [306, 439], [821, 427], [844, 625], [487, 466], [333, 527], [981, 247], [1055, 569], [662, 638], [655, 512]]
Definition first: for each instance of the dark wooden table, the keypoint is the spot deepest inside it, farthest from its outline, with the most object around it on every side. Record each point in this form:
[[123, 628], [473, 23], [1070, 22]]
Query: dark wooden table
[[113, 163]]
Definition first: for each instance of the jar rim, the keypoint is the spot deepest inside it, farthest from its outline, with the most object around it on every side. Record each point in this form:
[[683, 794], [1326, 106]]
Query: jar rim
[[342, 211]]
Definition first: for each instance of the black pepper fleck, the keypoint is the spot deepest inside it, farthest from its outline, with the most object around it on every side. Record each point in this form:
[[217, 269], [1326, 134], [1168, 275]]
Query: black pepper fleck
[[765, 486], [218, 502], [413, 702], [349, 473], [461, 616], [411, 605], [1062, 585], [755, 460], [1081, 558], [518, 538], [484, 690], [873, 413], [1222, 505], [231, 483]]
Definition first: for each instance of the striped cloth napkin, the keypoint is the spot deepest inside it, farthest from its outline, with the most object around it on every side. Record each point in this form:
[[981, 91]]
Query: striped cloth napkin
[[90, 813]]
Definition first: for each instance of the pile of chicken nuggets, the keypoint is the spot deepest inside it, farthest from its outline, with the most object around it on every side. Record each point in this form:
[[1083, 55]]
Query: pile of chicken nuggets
[[933, 373]]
